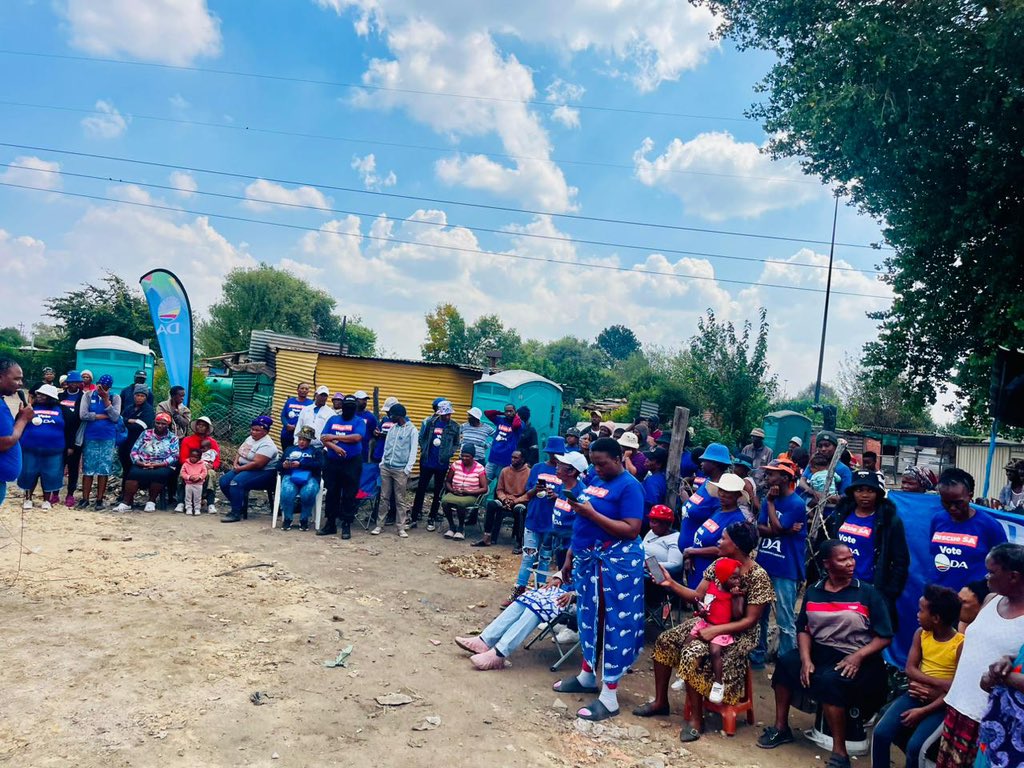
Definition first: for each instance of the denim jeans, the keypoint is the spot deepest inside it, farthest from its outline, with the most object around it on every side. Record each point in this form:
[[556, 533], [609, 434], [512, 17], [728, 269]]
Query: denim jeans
[[236, 486], [890, 730], [510, 629], [307, 496], [785, 618], [536, 554]]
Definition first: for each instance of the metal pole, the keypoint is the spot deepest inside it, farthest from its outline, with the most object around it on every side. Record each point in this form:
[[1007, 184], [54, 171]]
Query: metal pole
[[828, 295]]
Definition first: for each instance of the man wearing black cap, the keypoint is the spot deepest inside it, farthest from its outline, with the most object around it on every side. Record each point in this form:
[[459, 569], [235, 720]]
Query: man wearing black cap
[[128, 393], [396, 463], [342, 436]]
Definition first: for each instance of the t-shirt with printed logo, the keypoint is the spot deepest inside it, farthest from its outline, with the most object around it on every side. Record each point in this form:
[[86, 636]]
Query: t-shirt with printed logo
[[782, 556], [336, 425], [958, 549], [858, 533], [539, 511], [621, 498]]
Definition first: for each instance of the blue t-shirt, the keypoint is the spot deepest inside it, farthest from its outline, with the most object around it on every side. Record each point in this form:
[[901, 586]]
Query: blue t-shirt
[[47, 437], [843, 476], [699, 507], [621, 498], [433, 458], [104, 429], [859, 534], [687, 466], [371, 427], [783, 556], [10, 460], [378, 447], [291, 410], [958, 550], [506, 439], [540, 511], [655, 488], [563, 516], [708, 535], [336, 425]]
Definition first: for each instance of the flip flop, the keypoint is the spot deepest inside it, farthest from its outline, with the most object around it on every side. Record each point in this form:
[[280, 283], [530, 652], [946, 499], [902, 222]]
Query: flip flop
[[648, 710], [596, 712], [688, 734], [572, 685]]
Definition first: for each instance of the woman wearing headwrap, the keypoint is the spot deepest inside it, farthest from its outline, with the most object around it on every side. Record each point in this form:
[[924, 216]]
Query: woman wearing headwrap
[[918, 480], [253, 469], [607, 571], [465, 483], [154, 457], [100, 410]]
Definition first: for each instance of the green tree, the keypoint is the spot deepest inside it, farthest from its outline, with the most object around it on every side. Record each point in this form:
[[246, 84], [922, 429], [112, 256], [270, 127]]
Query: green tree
[[113, 308], [359, 339], [874, 403], [914, 110], [489, 333], [266, 297], [446, 336], [618, 342], [576, 364], [11, 337]]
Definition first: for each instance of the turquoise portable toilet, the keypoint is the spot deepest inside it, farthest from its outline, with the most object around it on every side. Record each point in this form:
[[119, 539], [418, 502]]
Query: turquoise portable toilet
[[781, 426], [518, 387], [114, 355]]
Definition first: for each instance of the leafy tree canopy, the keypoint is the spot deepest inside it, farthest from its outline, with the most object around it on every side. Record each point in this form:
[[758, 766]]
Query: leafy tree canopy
[[618, 342], [112, 308]]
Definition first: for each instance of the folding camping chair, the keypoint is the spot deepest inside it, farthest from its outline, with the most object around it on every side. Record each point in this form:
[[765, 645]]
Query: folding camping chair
[[566, 618], [277, 504], [368, 496]]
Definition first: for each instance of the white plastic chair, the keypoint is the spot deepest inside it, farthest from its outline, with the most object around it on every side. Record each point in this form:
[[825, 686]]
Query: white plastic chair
[[277, 505]]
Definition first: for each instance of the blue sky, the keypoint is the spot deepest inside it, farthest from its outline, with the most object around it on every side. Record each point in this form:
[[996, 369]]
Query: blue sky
[[608, 155]]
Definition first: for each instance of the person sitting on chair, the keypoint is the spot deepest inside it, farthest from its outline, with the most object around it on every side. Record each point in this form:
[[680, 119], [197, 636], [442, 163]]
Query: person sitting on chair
[[510, 496], [465, 483], [253, 469], [301, 466], [662, 543], [154, 460], [513, 625]]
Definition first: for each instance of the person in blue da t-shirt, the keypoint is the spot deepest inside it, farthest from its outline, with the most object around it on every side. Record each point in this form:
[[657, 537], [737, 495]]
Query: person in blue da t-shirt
[[960, 536], [42, 445], [290, 414], [342, 436], [782, 525], [369, 417], [11, 428]]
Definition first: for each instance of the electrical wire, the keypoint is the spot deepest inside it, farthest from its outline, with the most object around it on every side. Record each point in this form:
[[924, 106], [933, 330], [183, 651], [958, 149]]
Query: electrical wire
[[458, 249], [435, 200], [421, 222]]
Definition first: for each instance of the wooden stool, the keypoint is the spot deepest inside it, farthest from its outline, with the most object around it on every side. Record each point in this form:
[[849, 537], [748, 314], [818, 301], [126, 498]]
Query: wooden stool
[[729, 712]]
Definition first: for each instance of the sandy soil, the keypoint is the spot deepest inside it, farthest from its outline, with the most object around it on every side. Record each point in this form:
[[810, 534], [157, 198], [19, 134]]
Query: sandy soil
[[123, 646]]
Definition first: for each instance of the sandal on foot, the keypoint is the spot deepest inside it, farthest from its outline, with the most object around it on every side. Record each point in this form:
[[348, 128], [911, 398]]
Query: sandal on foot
[[688, 734], [572, 685], [649, 710], [595, 712]]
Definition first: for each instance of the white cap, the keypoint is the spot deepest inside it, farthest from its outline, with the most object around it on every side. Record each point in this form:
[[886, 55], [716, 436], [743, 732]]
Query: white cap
[[476, 413], [797, 440], [574, 459], [360, 395], [49, 390], [629, 440], [322, 390]]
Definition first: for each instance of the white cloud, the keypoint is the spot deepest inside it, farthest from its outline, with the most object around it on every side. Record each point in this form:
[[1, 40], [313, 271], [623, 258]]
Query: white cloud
[[185, 183], [653, 40], [559, 92], [168, 31], [739, 182], [262, 194], [30, 171], [109, 124], [179, 102], [566, 116], [367, 169]]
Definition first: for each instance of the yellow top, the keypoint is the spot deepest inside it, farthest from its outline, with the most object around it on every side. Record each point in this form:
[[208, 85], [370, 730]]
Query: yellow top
[[938, 659]]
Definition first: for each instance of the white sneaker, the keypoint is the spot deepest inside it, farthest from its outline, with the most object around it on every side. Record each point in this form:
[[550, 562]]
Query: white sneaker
[[122, 507], [150, 507], [449, 534], [459, 536], [375, 531], [47, 505], [211, 510], [402, 534], [189, 512], [678, 684], [27, 504], [178, 508], [717, 693], [567, 636]]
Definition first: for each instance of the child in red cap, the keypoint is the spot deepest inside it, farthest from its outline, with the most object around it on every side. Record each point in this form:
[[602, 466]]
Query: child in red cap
[[722, 604]]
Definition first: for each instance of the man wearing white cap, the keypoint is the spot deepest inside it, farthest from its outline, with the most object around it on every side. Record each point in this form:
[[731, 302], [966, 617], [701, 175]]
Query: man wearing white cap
[[368, 416], [759, 453], [476, 433], [316, 415], [794, 443]]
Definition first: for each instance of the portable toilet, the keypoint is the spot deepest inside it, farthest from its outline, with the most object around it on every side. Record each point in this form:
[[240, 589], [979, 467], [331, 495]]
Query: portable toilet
[[781, 426], [114, 355], [542, 396]]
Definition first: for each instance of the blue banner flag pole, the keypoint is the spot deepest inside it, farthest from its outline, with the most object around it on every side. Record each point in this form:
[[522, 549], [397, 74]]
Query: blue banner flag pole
[[172, 319]]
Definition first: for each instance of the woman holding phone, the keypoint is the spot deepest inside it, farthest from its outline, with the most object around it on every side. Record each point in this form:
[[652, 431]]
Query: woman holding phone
[[605, 564]]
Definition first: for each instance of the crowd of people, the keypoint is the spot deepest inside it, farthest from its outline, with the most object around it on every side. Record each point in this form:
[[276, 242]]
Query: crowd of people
[[601, 540]]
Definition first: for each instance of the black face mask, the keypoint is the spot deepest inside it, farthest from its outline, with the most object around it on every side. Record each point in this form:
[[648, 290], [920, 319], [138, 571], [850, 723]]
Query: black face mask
[[348, 411]]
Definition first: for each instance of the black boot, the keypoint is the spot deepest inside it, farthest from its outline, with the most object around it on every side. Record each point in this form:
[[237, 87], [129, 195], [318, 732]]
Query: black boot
[[346, 531], [232, 518], [329, 529]]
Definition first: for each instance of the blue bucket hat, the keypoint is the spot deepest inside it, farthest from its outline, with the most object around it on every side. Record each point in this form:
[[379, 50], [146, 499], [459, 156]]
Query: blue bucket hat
[[555, 444], [74, 377], [717, 453]]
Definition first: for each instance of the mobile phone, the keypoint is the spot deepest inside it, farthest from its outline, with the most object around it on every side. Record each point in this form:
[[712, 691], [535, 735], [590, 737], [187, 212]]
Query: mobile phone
[[654, 568], [572, 497]]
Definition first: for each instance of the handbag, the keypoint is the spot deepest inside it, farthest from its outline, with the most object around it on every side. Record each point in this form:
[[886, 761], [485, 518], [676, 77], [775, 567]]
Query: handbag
[[300, 476]]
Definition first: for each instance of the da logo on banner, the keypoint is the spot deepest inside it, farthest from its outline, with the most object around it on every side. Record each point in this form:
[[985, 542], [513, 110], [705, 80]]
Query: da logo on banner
[[168, 312]]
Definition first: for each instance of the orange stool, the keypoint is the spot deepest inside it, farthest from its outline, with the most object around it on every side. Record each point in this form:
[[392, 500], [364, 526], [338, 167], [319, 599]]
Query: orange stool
[[729, 712]]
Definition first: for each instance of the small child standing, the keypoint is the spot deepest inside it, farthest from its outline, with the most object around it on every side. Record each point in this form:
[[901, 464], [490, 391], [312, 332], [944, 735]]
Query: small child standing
[[819, 474], [723, 603], [193, 475]]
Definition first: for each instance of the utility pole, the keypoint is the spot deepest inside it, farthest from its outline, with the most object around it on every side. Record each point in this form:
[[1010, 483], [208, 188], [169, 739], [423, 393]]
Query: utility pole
[[828, 295]]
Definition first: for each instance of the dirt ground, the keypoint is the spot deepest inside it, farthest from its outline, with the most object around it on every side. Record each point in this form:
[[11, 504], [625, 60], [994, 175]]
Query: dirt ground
[[124, 645]]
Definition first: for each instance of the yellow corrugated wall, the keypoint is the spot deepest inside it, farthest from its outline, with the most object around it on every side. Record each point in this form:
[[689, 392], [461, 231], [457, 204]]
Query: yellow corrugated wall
[[291, 368], [415, 386]]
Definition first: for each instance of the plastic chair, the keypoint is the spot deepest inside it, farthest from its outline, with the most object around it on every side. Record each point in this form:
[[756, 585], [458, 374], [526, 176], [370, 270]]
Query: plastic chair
[[729, 712], [277, 504]]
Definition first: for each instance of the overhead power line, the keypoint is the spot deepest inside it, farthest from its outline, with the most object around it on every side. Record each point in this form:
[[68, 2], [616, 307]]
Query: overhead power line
[[455, 248], [366, 87], [248, 128], [436, 224], [435, 200]]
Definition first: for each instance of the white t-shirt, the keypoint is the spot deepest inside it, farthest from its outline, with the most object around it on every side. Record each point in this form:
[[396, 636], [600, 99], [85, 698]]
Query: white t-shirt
[[250, 449]]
